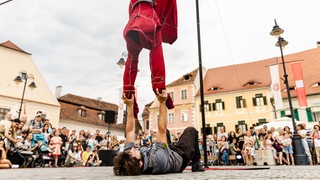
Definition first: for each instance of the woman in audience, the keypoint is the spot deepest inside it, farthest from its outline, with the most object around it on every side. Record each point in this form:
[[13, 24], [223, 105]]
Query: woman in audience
[[4, 162], [303, 134], [74, 157], [315, 135]]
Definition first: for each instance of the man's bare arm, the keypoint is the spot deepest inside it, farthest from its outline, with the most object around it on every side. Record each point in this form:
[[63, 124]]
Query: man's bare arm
[[130, 126], [162, 121]]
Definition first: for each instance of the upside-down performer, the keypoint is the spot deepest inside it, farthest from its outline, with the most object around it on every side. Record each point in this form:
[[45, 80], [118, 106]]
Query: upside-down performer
[[151, 22], [162, 157]]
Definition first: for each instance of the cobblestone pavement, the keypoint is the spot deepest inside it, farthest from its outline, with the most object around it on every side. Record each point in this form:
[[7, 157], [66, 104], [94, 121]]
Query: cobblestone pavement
[[275, 172]]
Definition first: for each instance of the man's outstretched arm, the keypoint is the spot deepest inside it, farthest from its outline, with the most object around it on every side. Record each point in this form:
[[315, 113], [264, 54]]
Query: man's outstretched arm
[[162, 121], [130, 125]]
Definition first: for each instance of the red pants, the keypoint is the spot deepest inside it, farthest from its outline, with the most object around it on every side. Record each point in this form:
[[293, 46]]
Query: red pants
[[144, 31]]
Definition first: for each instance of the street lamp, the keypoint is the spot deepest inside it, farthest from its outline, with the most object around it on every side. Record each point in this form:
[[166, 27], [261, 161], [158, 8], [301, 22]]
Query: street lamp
[[24, 76], [121, 61], [300, 157]]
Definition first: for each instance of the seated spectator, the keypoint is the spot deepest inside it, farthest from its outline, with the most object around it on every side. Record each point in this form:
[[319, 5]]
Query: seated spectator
[[93, 159], [4, 162], [114, 144], [145, 141], [86, 154], [224, 150], [74, 157]]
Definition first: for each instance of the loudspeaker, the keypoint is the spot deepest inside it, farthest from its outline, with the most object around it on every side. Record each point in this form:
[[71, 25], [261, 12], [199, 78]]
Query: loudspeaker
[[110, 117], [106, 156]]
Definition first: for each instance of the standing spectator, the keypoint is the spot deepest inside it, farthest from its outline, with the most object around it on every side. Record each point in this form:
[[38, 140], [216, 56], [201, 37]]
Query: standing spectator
[[315, 135], [99, 138], [249, 148], [222, 133], [239, 137], [64, 139], [287, 144], [269, 146], [231, 136], [224, 150], [72, 137], [303, 134], [36, 125], [56, 143], [45, 132], [91, 141], [278, 141], [4, 162]]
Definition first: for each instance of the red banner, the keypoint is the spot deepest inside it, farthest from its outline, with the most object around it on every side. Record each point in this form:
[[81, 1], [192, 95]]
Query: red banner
[[298, 79]]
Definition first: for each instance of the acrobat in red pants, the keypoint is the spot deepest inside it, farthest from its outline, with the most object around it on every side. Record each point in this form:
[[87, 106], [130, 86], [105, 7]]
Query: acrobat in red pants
[[150, 23]]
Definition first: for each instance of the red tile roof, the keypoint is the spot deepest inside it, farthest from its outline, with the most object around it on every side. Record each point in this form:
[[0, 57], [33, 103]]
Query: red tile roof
[[185, 79], [257, 75], [10, 45], [71, 103]]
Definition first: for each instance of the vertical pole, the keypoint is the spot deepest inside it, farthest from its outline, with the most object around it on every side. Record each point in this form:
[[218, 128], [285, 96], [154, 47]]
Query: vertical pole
[[24, 90], [201, 90], [300, 157]]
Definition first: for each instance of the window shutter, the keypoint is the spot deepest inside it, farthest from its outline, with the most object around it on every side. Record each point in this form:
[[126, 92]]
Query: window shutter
[[309, 114], [282, 114], [244, 103], [296, 114], [254, 101], [209, 106], [213, 106], [264, 100], [223, 106], [238, 102]]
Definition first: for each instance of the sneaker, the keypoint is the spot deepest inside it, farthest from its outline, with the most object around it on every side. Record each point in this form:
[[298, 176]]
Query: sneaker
[[197, 167], [15, 166]]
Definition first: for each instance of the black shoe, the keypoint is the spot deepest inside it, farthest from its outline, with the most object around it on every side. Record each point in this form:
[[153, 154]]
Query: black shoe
[[197, 167]]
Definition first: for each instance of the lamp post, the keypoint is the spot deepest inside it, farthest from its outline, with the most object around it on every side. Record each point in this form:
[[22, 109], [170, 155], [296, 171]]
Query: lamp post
[[24, 76], [201, 90], [300, 157], [121, 64]]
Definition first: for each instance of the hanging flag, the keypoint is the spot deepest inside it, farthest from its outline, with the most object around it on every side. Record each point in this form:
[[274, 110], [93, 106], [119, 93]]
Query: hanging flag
[[298, 79], [24, 109], [121, 108], [275, 86]]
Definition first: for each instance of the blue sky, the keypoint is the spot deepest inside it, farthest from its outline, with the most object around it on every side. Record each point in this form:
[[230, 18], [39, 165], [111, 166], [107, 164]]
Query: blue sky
[[76, 43]]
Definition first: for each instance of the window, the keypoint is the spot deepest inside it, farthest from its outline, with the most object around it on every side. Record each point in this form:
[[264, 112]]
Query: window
[[171, 117], [262, 121], [240, 102], [316, 116], [82, 111], [259, 100], [101, 115], [207, 106], [3, 113], [184, 94], [184, 116], [218, 105], [242, 125], [171, 95]]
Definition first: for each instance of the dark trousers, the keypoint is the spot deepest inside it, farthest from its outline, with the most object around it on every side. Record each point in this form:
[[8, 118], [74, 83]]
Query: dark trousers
[[187, 147]]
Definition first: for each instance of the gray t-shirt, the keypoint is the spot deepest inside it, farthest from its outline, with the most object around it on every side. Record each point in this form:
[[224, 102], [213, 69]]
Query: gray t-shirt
[[158, 159]]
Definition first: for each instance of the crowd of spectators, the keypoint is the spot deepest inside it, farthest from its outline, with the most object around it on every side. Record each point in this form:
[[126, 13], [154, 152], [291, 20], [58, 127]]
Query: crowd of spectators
[[35, 143], [245, 148]]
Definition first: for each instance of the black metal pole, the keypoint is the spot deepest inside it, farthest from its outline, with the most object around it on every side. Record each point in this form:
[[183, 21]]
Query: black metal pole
[[24, 90], [201, 90], [300, 157], [5, 2]]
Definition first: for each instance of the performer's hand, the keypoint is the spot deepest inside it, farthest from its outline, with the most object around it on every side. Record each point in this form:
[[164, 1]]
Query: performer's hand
[[128, 102], [162, 97]]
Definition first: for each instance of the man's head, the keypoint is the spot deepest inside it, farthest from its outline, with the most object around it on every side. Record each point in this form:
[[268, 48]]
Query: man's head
[[15, 123], [38, 118], [128, 163]]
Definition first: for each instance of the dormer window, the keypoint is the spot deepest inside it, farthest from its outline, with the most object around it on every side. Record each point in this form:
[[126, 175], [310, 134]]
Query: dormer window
[[317, 84], [187, 77], [101, 115], [214, 88], [251, 83], [82, 111]]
